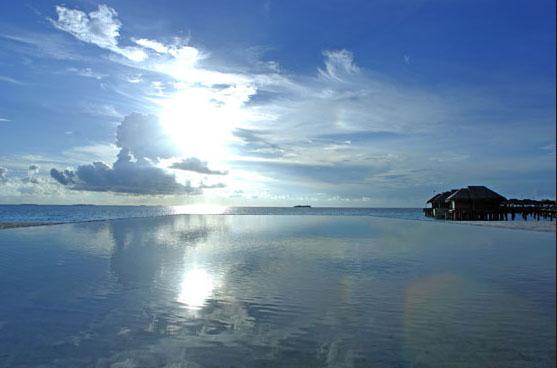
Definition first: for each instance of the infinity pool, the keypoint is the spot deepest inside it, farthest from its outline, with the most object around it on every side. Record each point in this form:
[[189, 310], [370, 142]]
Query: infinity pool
[[276, 291]]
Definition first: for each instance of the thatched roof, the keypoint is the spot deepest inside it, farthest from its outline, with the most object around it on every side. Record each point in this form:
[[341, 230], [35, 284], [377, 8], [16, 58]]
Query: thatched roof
[[441, 197], [434, 198], [475, 193]]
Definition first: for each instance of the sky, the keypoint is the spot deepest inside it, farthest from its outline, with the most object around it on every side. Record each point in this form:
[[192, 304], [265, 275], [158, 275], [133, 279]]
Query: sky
[[359, 103]]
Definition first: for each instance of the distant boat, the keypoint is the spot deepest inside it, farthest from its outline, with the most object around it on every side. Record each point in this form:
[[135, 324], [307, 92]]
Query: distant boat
[[302, 206]]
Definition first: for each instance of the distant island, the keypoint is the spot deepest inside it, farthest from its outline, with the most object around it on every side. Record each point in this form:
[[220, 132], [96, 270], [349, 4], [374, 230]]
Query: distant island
[[302, 206]]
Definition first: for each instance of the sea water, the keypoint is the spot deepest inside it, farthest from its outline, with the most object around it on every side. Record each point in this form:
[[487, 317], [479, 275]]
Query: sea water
[[79, 213], [276, 291]]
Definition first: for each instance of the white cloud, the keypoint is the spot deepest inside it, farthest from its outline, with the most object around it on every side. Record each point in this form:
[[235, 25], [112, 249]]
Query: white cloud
[[100, 28], [32, 174], [11, 80], [338, 64], [40, 187], [153, 45], [3, 175], [307, 115], [94, 152], [87, 73], [4, 120]]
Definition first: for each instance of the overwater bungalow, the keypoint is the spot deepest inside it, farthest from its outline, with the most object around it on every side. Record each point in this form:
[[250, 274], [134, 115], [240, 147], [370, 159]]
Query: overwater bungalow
[[439, 206], [481, 203], [471, 203]]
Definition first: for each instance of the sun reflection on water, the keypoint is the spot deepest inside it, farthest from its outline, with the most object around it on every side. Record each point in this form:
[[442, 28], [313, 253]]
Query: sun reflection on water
[[199, 209], [197, 286]]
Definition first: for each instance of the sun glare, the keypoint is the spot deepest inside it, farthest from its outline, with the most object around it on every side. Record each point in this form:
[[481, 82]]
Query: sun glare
[[200, 120], [197, 125], [197, 286], [200, 209]]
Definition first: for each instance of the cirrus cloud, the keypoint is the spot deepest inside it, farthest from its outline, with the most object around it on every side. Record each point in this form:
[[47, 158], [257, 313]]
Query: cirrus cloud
[[338, 63]]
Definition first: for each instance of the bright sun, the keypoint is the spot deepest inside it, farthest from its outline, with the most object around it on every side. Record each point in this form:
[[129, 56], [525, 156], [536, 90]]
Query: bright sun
[[200, 120], [197, 124]]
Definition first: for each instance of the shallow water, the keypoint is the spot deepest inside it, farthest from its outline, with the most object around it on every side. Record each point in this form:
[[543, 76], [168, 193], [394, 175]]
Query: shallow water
[[265, 291]]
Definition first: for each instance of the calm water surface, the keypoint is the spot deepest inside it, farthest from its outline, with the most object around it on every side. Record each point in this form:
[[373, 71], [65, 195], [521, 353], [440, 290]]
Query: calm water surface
[[284, 291], [80, 213]]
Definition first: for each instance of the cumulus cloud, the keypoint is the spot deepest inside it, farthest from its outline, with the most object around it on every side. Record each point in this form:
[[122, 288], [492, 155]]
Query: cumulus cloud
[[144, 137], [142, 143], [196, 165], [64, 177], [100, 28], [124, 176], [3, 175]]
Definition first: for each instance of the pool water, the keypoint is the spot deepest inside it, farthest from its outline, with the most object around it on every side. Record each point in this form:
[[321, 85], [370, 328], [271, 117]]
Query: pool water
[[276, 291]]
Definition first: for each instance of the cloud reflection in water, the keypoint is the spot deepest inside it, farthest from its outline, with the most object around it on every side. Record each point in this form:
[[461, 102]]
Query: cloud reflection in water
[[294, 291]]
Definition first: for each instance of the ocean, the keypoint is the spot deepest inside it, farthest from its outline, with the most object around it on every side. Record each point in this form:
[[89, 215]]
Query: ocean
[[80, 213]]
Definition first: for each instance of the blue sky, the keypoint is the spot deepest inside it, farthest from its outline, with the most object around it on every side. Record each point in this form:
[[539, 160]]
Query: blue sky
[[351, 103]]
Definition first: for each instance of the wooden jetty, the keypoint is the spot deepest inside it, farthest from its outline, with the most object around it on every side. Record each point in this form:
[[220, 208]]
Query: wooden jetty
[[479, 203]]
